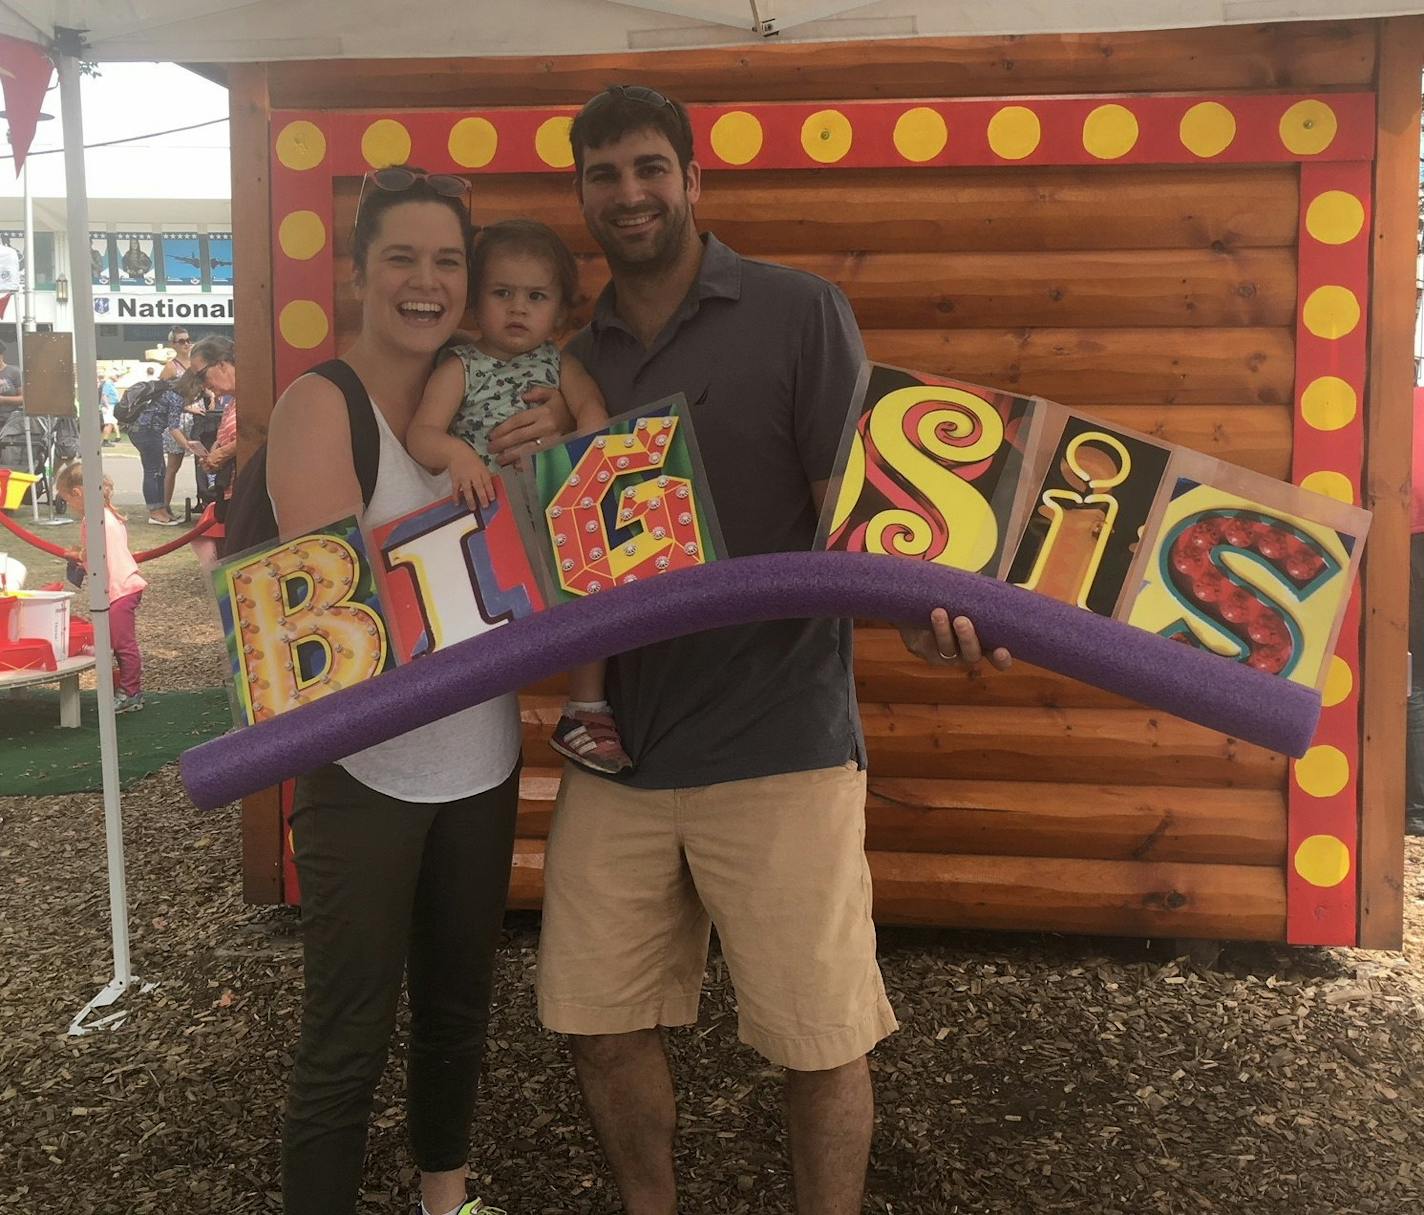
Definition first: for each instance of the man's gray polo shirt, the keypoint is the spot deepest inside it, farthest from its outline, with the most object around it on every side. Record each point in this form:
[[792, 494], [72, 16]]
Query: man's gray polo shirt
[[767, 358]]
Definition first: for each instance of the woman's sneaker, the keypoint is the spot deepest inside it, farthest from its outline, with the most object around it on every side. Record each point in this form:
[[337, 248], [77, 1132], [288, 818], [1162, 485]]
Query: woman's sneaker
[[591, 740], [128, 704]]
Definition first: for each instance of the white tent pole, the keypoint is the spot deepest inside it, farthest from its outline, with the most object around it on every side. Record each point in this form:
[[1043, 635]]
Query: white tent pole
[[96, 556], [25, 320]]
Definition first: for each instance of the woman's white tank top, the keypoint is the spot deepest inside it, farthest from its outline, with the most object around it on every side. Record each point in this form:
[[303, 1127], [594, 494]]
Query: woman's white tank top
[[457, 756]]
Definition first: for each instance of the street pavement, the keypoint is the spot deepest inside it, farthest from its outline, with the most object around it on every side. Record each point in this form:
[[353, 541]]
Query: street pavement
[[122, 464]]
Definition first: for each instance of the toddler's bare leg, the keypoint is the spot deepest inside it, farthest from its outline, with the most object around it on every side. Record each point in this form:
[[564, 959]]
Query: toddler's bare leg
[[586, 682]]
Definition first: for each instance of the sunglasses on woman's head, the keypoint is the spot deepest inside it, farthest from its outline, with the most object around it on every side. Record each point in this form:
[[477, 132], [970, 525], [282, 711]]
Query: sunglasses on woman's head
[[397, 178]]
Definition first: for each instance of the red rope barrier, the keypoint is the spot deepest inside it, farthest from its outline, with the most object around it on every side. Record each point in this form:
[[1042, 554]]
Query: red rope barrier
[[54, 550], [205, 523], [29, 537]]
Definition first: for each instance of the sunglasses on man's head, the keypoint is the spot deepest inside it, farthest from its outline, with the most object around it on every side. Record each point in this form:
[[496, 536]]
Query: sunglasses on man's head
[[633, 92]]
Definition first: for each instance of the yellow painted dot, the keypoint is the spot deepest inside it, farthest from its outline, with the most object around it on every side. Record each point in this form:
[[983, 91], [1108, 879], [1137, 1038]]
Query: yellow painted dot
[[826, 136], [473, 142], [1331, 484], [1308, 127], [551, 141], [1335, 217], [301, 235], [1339, 683], [1207, 129], [1110, 131], [920, 134], [1323, 860], [1014, 132], [1328, 403], [737, 137], [303, 324], [1322, 771], [386, 142], [301, 145], [1331, 312]]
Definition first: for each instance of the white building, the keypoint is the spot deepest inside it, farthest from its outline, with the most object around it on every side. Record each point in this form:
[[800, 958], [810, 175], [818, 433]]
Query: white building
[[157, 262]]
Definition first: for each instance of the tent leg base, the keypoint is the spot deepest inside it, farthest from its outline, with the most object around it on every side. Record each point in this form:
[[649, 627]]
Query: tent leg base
[[107, 996]]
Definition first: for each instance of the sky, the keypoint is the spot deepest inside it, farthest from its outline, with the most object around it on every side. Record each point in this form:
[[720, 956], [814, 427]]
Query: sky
[[136, 99]]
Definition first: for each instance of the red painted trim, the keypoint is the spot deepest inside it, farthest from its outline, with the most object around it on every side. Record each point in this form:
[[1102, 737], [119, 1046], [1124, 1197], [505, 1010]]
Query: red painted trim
[[872, 125], [1329, 915]]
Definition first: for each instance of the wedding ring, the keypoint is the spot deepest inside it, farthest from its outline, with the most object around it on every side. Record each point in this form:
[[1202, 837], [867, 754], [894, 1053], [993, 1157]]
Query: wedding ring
[[946, 657], [539, 442]]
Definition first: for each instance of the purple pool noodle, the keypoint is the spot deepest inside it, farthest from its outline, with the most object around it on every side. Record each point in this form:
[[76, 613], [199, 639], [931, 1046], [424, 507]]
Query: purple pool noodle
[[1161, 674]]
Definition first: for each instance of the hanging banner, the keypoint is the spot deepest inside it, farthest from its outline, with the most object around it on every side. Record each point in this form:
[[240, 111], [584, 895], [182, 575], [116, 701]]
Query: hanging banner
[[136, 264], [11, 271], [101, 260], [220, 258], [182, 259]]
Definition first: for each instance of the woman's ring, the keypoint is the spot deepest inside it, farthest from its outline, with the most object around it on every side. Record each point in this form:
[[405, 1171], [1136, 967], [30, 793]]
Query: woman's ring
[[946, 657], [539, 442]]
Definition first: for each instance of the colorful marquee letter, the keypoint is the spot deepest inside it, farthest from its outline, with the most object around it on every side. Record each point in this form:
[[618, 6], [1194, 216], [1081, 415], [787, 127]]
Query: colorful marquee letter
[[300, 621]]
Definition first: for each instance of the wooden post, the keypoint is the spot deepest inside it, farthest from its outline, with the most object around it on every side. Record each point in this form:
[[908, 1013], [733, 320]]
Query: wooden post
[[1389, 407], [252, 256], [252, 249]]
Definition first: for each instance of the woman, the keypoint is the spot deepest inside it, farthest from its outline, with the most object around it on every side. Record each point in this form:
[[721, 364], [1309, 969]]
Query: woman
[[403, 850], [213, 372], [174, 445], [182, 346], [154, 425]]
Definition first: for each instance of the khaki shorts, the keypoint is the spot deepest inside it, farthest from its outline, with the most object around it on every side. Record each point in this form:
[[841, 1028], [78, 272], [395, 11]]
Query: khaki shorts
[[634, 878]]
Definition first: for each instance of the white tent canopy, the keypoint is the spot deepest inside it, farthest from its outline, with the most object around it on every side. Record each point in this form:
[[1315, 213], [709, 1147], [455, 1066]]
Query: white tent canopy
[[229, 31]]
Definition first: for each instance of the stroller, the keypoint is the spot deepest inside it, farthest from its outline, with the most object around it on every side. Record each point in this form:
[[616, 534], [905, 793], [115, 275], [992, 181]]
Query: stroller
[[52, 441]]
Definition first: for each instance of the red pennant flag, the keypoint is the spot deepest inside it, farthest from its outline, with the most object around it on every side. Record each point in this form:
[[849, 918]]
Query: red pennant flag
[[24, 72]]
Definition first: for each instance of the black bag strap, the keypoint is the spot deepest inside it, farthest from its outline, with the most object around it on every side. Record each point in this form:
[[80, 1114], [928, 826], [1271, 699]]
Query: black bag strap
[[361, 414]]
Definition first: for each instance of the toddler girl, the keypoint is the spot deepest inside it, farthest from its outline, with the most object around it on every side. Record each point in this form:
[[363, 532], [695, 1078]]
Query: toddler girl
[[522, 282], [126, 584]]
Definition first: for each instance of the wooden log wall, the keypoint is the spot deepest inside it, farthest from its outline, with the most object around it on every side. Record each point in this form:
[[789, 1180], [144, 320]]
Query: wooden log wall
[[1161, 299]]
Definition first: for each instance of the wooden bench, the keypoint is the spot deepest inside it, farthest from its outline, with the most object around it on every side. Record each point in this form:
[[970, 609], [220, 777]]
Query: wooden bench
[[67, 676]]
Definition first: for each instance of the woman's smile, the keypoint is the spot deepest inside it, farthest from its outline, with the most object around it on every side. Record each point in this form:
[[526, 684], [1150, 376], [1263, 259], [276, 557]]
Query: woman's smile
[[425, 313]]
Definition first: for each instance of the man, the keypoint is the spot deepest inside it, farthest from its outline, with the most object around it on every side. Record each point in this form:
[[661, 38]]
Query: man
[[109, 397], [747, 802]]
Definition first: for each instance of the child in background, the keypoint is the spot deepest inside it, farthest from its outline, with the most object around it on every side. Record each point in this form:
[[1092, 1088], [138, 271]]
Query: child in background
[[126, 584], [523, 281]]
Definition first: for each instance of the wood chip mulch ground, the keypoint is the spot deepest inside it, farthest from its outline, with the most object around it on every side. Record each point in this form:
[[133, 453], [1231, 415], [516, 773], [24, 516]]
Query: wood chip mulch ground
[[1031, 1073]]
